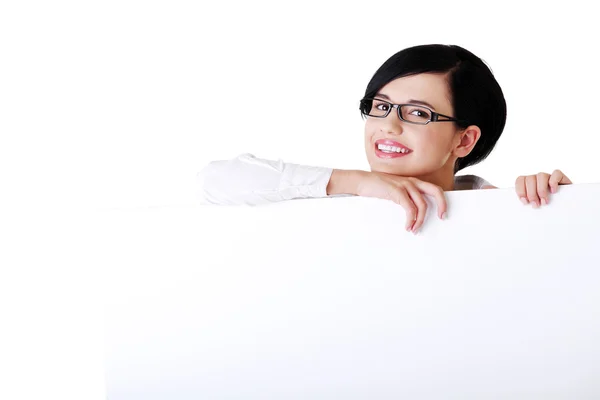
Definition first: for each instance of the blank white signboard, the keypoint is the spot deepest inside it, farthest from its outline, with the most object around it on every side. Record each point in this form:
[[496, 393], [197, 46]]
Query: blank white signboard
[[333, 299]]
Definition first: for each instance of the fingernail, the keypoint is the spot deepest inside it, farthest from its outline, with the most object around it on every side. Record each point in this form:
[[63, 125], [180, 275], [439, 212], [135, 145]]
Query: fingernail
[[524, 200], [544, 202], [553, 189], [443, 215], [536, 204]]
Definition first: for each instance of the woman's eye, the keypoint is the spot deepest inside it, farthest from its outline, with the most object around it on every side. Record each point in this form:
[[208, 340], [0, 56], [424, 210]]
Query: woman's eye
[[420, 113], [382, 106]]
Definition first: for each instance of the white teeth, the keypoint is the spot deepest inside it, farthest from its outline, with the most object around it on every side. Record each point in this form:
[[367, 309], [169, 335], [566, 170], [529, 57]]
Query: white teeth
[[390, 149]]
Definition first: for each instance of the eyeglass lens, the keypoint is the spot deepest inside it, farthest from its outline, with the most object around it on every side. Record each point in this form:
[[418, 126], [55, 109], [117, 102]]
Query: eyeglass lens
[[410, 113]]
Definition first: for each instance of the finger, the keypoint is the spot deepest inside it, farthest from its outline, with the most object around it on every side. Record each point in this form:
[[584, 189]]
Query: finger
[[437, 193], [521, 190], [401, 197], [419, 201], [542, 187], [558, 178], [531, 187]]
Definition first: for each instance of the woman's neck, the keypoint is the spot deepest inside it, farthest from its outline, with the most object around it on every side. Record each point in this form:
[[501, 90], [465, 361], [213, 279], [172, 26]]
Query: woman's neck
[[443, 177]]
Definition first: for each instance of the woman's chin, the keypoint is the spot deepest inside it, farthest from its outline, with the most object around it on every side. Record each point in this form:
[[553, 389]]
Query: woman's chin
[[390, 169], [396, 166], [401, 170]]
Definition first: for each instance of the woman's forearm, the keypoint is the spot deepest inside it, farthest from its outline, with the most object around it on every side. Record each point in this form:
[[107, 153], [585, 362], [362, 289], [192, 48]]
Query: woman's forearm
[[344, 181]]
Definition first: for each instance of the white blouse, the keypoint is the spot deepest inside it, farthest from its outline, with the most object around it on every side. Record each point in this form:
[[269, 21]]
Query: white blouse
[[255, 181]]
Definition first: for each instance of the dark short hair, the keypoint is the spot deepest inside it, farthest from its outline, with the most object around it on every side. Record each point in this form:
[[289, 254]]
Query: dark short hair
[[476, 96]]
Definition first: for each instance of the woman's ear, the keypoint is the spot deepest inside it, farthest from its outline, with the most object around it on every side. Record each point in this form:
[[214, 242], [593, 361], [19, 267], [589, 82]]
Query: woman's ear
[[468, 139]]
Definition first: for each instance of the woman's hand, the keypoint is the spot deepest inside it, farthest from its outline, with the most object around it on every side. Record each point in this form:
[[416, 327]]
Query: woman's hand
[[405, 191], [536, 189]]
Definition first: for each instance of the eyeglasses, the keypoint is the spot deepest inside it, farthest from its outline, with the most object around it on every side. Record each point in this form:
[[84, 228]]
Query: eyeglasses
[[412, 113]]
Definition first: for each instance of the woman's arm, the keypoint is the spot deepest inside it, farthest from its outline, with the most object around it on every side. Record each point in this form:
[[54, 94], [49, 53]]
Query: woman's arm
[[249, 180], [343, 182], [253, 181]]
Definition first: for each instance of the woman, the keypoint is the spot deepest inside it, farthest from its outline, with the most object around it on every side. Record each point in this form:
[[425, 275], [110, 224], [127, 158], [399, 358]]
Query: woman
[[430, 111]]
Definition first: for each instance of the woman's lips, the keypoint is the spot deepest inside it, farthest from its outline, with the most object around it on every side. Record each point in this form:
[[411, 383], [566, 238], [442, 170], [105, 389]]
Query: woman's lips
[[388, 142]]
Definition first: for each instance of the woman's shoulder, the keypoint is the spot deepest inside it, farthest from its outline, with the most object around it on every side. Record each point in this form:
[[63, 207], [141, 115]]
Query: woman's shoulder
[[470, 182]]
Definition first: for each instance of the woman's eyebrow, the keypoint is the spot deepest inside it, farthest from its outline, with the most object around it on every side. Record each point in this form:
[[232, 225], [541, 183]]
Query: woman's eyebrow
[[421, 102], [412, 101]]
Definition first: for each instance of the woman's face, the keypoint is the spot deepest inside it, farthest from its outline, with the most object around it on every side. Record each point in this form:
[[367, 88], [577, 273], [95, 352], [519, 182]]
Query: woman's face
[[430, 147]]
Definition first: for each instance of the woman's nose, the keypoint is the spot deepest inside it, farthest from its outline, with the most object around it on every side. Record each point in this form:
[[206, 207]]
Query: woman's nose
[[391, 124]]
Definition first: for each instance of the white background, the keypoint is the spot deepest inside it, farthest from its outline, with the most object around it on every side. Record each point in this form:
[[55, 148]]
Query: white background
[[119, 104]]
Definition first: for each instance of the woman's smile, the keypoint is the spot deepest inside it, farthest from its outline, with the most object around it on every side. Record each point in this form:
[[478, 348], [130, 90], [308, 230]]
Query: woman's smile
[[386, 148]]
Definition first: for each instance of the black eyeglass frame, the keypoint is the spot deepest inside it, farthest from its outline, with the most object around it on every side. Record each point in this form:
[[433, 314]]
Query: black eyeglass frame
[[434, 115]]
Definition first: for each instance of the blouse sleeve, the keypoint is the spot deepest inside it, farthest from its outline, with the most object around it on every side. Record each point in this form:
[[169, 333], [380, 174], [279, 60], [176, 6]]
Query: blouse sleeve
[[254, 181]]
